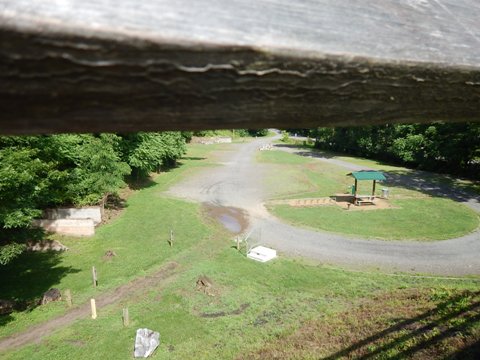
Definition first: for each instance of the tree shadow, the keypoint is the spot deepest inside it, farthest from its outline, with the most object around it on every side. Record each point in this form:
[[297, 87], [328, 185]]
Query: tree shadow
[[5, 319], [432, 185], [25, 279], [445, 328], [194, 158], [429, 183], [22, 235], [469, 352], [140, 183], [308, 151]]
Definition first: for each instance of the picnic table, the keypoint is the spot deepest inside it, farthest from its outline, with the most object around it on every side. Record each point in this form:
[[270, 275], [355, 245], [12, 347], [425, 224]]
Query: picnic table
[[364, 200]]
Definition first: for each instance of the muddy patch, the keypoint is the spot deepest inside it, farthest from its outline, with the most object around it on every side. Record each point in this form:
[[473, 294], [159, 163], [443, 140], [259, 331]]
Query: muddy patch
[[233, 219]]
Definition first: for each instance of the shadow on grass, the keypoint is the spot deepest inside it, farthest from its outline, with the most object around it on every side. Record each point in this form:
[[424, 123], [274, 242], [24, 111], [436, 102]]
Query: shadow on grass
[[469, 352], [194, 158], [140, 183], [451, 329], [28, 277], [432, 185], [5, 319], [311, 152]]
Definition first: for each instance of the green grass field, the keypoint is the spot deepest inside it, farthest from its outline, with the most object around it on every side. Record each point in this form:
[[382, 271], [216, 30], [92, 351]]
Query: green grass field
[[283, 309], [415, 216], [421, 219], [139, 238], [254, 305]]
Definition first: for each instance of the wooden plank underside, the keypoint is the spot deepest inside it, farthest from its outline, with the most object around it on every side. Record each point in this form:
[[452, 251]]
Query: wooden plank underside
[[91, 66]]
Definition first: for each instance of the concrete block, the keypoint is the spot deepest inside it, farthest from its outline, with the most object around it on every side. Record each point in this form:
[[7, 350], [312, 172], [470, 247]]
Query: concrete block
[[72, 227], [91, 212], [262, 254]]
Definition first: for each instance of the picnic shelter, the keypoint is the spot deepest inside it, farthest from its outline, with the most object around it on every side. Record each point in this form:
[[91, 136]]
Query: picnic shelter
[[371, 175]]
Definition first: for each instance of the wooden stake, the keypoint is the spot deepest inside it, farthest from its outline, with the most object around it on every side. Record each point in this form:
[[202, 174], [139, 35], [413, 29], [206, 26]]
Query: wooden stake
[[68, 297], [94, 276], [125, 316], [94, 308], [238, 243], [171, 237]]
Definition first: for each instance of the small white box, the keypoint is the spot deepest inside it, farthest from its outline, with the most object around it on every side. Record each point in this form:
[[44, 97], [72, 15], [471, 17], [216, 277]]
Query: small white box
[[262, 254]]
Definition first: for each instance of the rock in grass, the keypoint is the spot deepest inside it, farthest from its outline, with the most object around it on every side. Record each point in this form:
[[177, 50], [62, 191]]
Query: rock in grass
[[46, 245], [146, 342], [51, 295]]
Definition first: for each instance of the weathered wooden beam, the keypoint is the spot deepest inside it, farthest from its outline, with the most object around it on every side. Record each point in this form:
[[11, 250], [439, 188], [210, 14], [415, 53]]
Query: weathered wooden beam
[[104, 65]]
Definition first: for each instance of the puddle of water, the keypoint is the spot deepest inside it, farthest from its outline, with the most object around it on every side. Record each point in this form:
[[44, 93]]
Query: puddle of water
[[230, 223], [232, 219]]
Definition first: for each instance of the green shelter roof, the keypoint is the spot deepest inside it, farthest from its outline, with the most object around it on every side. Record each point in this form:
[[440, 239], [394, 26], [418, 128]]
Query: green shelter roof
[[368, 175]]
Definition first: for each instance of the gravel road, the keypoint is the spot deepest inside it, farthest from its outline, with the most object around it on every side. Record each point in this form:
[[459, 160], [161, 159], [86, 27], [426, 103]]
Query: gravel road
[[238, 182]]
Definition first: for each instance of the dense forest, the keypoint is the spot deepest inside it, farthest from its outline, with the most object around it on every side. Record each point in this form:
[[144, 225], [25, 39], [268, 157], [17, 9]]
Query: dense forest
[[452, 148]]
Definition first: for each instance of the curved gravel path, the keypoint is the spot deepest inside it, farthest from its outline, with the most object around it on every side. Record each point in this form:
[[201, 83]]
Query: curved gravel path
[[238, 182]]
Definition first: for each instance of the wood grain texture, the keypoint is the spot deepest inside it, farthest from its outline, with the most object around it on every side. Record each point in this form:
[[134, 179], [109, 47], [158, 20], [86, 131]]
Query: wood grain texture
[[90, 66]]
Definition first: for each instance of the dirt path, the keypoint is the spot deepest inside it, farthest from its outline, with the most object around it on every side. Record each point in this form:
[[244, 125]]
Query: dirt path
[[34, 334], [240, 183]]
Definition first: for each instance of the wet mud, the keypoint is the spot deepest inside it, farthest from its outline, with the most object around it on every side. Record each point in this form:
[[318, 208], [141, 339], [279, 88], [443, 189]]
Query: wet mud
[[233, 219]]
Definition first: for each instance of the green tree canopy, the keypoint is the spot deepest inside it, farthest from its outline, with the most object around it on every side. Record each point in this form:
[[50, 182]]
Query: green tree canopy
[[37, 172]]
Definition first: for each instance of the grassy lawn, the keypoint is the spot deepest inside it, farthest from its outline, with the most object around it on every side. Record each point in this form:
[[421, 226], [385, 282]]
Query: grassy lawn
[[139, 238], [254, 307], [286, 308], [422, 219], [417, 216], [440, 179], [294, 176]]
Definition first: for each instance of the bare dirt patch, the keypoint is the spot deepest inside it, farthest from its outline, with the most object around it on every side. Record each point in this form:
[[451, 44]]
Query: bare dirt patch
[[205, 285], [343, 201], [115, 204], [413, 323]]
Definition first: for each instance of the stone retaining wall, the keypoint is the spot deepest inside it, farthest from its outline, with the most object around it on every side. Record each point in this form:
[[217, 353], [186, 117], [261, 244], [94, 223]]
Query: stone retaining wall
[[93, 212], [72, 227]]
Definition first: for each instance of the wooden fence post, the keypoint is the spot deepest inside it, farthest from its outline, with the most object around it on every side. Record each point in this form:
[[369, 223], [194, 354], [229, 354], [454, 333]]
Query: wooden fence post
[[93, 306], [94, 276], [125, 317]]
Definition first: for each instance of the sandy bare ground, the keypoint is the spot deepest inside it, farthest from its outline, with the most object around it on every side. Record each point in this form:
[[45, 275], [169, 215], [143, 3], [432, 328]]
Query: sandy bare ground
[[239, 182], [36, 333]]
